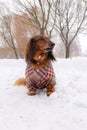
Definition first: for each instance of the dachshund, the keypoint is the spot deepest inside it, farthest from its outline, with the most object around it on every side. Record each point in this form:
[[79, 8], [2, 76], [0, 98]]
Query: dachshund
[[39, 73]]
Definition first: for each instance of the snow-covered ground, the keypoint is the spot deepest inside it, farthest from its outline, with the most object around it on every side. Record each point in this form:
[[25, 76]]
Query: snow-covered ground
[[65, 110]]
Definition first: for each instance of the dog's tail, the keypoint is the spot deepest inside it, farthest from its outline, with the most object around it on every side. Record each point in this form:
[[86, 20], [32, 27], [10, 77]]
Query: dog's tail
[[20, 82]]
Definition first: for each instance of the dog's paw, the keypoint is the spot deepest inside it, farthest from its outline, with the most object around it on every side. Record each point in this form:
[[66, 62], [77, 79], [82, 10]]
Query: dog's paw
[[53, 95], [31, 93]]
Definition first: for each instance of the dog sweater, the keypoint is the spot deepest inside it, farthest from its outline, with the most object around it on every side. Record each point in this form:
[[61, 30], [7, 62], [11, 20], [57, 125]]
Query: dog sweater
[[39, 78]]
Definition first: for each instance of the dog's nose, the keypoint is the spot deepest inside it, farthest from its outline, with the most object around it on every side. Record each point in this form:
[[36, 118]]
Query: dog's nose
[[52, 44]]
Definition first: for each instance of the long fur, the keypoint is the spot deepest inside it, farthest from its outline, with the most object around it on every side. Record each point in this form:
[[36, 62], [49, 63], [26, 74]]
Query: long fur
[[51, 56], [31, 50], [20, 82]]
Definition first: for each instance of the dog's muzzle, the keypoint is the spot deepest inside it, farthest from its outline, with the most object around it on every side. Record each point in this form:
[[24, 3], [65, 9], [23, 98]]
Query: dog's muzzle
[[50, 48]]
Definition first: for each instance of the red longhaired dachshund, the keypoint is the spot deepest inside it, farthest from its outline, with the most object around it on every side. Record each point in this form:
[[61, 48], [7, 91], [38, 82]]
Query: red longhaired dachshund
[[39, 71]]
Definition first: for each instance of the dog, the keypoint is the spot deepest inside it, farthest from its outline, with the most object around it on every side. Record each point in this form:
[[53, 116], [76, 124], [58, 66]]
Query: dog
[[39, 71]]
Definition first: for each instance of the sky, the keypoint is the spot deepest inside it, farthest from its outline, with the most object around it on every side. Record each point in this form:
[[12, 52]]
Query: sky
[[9, 1]]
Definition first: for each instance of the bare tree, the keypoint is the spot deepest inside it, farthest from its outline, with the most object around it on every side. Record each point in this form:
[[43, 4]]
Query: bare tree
[[71, 17], [7, 31], [40, 13]]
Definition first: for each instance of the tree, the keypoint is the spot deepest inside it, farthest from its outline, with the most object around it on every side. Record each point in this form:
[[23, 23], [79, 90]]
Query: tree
[[7, 31], [40, 13], [71, 19]]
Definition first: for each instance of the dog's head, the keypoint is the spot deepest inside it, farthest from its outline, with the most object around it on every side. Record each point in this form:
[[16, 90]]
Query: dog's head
[[39, 48]]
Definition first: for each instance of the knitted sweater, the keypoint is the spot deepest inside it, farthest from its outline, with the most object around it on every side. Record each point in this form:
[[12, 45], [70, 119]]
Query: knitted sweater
[[39, 78]]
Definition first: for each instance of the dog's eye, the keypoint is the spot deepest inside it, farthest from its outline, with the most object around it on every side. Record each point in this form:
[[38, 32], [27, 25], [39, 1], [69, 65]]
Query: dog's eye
[[41, 40]]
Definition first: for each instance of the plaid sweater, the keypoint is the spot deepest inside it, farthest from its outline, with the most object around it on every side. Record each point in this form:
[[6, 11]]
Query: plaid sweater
[[39, 78]]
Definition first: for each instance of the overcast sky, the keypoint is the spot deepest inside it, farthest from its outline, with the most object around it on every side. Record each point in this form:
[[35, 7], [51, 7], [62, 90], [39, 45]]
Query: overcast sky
[[5, 1]]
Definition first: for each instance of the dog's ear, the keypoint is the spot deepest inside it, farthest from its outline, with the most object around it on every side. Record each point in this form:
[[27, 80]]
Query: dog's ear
[[51, 56], [29, 50]]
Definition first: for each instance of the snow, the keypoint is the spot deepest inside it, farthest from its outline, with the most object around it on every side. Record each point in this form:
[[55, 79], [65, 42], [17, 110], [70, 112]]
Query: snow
[[64, 110]]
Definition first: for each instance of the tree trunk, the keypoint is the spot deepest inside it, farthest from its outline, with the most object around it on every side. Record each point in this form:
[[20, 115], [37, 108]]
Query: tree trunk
[[42, 31], [16, 55], [67, 52]]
